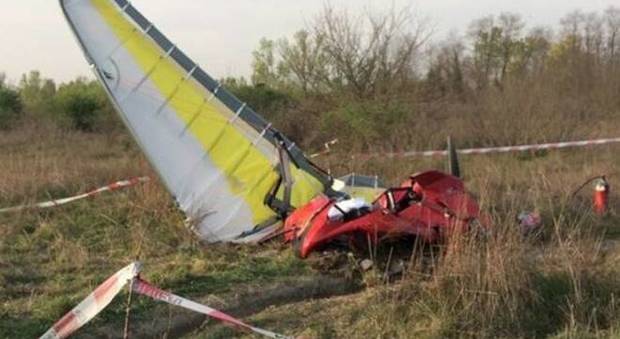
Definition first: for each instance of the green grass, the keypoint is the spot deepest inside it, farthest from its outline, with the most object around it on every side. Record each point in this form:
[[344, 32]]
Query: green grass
[[53, 260], [563, 284]]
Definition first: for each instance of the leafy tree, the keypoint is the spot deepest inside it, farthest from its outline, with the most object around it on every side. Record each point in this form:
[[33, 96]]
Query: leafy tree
[[511, 27], [445, 73], [496, 42], [265, 64], [10, 106], [37, 93], [531, 53]]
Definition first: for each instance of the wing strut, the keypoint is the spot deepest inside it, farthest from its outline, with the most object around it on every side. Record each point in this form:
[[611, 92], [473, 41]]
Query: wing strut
[[282, 207]]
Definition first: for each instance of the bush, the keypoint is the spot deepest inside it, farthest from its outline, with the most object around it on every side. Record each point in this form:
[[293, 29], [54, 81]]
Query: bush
[[262, 98], [82, 104], [367, 122], [10, 107]]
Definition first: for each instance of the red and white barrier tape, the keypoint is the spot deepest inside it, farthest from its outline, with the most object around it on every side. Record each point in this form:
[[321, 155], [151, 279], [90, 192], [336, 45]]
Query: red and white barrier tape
[[53, 203], [144, 288], [327, 150], [104, 293], [93, 304], [509, 149]]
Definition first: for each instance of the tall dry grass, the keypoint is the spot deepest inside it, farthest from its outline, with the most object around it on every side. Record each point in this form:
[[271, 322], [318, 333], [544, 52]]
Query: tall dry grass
[[504, 287], [38, 161], [561, 282]]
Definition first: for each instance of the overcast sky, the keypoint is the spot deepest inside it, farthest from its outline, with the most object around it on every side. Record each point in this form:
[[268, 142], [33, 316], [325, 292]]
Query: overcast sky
[[220, 35]]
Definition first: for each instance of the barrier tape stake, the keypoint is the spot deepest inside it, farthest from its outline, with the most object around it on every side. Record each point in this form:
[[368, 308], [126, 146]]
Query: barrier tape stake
[[128, 309], [93, 304]]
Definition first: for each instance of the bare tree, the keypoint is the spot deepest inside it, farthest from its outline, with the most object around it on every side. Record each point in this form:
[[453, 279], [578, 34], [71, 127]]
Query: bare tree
[[593, 35], [371, 53], [445, 73], [264, 64], [572, 25], [612, 22]]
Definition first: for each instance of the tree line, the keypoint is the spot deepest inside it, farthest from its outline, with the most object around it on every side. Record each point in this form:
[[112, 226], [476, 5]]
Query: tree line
[[380, 81], [377, 80], [80, 104]]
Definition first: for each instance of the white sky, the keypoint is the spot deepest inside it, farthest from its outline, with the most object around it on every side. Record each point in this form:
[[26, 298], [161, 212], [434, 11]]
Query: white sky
[[221, 35]]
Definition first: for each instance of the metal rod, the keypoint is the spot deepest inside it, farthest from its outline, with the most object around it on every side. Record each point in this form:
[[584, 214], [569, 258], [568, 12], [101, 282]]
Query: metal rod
[[128, 310]]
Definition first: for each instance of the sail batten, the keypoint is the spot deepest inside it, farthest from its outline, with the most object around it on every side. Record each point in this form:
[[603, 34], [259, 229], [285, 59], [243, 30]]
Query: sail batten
[[214, 153]]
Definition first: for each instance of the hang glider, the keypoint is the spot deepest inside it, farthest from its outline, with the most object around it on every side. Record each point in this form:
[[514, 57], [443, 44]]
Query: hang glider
[[235, 176], [225, 165]]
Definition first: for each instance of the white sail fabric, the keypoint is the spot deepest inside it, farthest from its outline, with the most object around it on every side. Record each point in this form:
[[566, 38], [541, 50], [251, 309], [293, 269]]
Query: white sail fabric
[[216, 156]]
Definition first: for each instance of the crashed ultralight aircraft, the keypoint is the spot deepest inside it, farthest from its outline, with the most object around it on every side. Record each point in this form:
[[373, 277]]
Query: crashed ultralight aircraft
[[235, 176]]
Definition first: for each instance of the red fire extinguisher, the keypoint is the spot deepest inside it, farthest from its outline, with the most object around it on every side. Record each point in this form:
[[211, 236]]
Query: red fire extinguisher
[[601, 195]]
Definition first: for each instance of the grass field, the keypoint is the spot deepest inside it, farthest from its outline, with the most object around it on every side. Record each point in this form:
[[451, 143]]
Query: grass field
[[563, 283]]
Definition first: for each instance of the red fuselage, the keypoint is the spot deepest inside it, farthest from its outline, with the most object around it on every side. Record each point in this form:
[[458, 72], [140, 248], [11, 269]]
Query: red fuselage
[[429, 206]]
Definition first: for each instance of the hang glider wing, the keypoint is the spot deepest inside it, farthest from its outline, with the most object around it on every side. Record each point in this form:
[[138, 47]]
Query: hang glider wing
[[217, 156]]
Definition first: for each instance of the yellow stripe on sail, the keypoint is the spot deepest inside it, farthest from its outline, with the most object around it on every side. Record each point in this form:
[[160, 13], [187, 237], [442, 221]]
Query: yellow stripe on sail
[[251, 177]]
